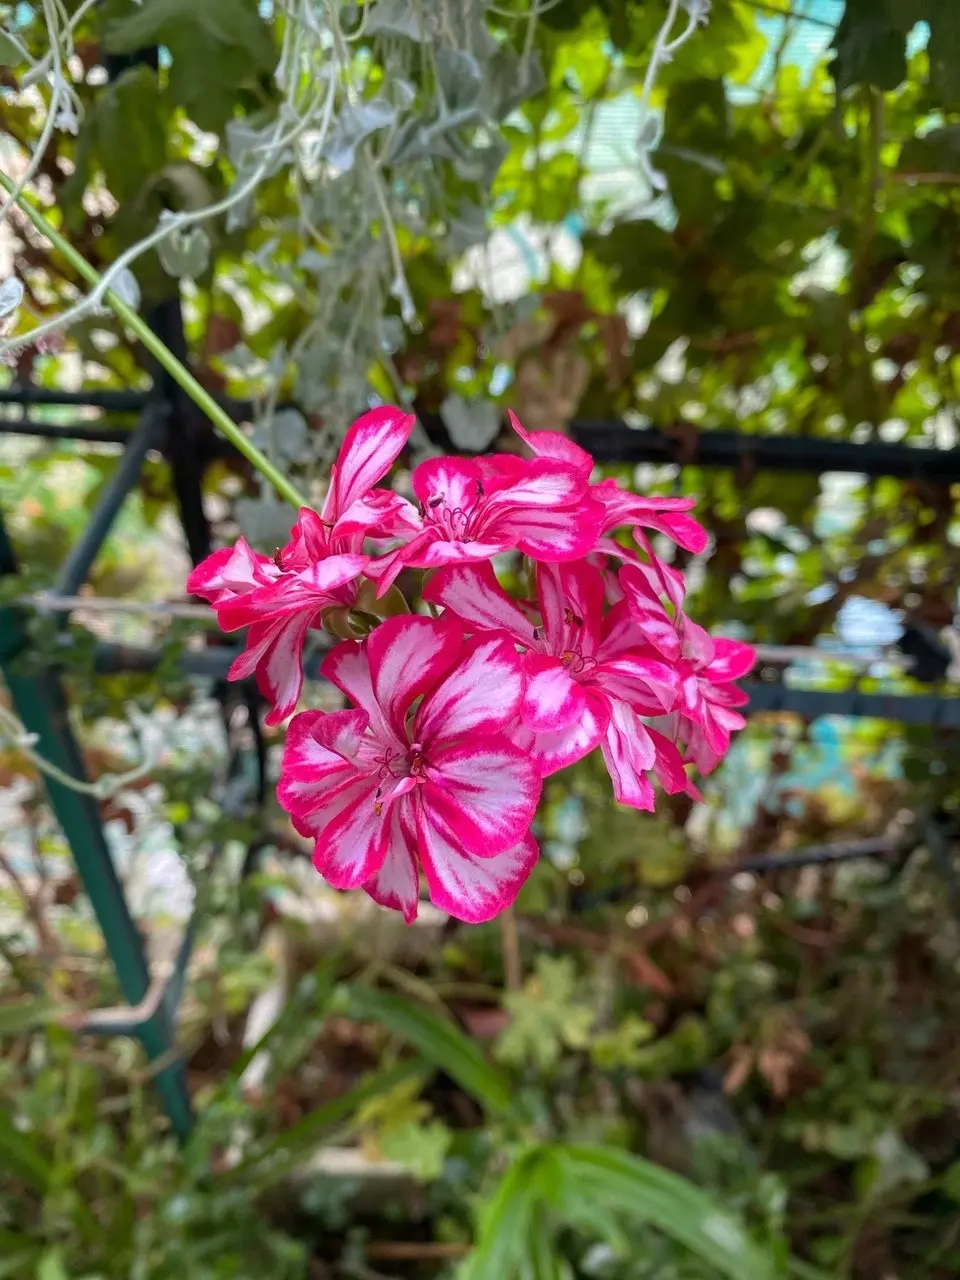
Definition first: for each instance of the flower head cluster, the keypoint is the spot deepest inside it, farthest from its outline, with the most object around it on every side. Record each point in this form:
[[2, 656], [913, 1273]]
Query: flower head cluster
[[456, 719]]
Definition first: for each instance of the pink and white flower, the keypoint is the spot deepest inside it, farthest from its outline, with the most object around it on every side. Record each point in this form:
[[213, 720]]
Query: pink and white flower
[[664, 515], [392, 788], [470, 509], [280, 600], [590, 676], [705, 717]]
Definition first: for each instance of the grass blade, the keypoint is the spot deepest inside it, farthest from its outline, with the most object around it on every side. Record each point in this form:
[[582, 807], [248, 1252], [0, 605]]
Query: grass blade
[[437, 1039], [637, 1188]]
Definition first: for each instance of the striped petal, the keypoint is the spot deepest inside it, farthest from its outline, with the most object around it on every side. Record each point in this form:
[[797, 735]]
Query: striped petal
[[552, 699], [397, 884], [369, 450], [352, 846], [481, 694], [629, 754], [469, 888], [473, 593], [409, 656], [482, 795]]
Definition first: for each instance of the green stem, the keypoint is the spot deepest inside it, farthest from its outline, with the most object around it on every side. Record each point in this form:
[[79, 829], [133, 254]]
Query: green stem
[[161, 353]]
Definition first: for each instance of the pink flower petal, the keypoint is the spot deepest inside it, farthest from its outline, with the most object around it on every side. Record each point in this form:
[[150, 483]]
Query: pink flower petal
[[732, 660], [473, 593], [552, 700], [436, 554], [309, 590], [352, 846], [647, 684], [454, 483], [369, 450], [397, 884], [571, 603], [319, 743], [469, 888], [568, 534], [550, 444], [231, 571], [482, 794], [545, 484], [480, 695], [275, 654], [629, 753], [348, 667], [408, 656], [555, 751], [313, 806]]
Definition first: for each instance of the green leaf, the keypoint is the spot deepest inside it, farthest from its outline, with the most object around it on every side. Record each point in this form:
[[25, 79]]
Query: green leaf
[[506, 1221], [637, 1188], [20, 1154], [438, 1040], [302, 1138], [51, 1266], [25, 1015], [869, 48], [215, 48]]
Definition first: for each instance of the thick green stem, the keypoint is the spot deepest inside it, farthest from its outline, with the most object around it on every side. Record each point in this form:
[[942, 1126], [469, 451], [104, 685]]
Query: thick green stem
[[161, 353]]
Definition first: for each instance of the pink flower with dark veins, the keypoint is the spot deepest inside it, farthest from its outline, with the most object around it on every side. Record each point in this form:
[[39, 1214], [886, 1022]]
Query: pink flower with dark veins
[[590, 676], [421, 775], [470, 509]]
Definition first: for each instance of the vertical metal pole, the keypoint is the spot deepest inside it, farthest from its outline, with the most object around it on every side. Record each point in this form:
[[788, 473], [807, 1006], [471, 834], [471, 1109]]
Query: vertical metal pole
[[40, 704]]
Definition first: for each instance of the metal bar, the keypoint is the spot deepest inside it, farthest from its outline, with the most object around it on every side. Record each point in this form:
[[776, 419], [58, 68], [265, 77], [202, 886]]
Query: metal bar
[[118, 401], [86, 433], [616, 442], [40, 704], [920, 709], [146, 436]]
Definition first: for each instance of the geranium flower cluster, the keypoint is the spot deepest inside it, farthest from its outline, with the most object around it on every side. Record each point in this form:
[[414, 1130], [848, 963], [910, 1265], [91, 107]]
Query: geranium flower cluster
[[436, 769]]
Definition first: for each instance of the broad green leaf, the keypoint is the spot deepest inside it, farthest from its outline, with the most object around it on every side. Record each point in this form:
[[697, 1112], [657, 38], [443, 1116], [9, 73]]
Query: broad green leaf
[[629, 1185], [438, 1040]]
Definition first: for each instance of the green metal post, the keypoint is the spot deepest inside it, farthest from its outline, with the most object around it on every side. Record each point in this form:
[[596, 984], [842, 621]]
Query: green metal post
[[39, 702]]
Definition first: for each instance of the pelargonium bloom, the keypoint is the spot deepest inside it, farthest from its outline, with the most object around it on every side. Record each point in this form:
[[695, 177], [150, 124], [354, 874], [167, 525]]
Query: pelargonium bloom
[[621, 507], [280, 600], [397, 785], [470, 509], [705, 717], [590, 676]]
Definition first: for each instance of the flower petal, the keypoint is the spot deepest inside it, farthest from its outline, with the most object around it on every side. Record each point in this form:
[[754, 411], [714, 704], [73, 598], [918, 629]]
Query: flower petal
[[571, 604], [369, 450], [309, 590], [473, 593], [321, 743], [482, 794], [397, 884], [564, 534], [629, 753], [469, 888], [544, 484], [555, 751], [352, 846], [231, 571], [552, 699], [408, 656], [642, 680], [348, 667], [455, 483], [275, 653], [732, 660], [550, 444], [481, 694]]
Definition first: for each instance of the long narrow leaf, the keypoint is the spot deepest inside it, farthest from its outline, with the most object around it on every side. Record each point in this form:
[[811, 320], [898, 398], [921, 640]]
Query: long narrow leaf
[[507, 1222], [438, 1040], [303, 1137], [637, 1188]]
